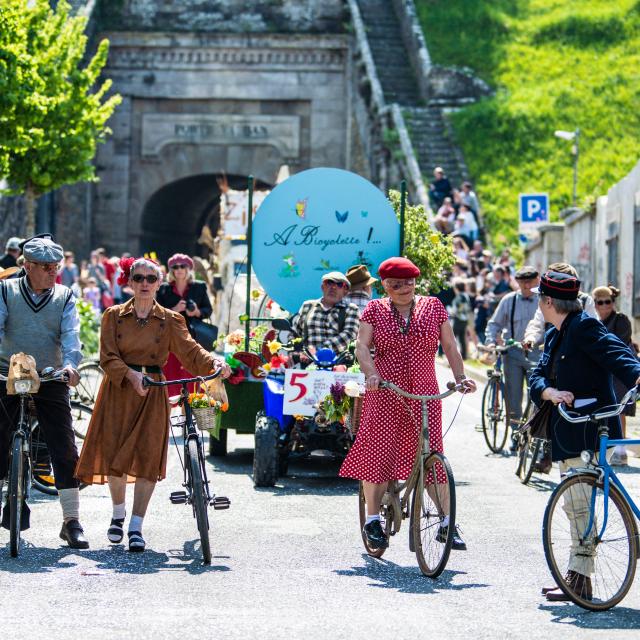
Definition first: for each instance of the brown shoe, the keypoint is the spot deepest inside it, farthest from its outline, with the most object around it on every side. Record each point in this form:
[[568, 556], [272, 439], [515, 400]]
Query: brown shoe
[[544, 466], [580, 585]]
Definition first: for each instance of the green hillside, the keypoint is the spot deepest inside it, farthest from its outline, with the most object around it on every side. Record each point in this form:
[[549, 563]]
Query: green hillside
[[555, 64]]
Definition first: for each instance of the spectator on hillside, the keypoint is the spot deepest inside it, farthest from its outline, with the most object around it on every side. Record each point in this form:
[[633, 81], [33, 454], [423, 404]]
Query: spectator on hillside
[[500, 285], [477, 250], [91, 293], [505, 259], [465, 225], [12, 253], [460, 312], [445, 217], [481, 316], [440, 188], [460, 248]]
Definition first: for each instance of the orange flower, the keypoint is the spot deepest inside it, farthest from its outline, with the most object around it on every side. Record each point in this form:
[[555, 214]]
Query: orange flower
[[225, 406]]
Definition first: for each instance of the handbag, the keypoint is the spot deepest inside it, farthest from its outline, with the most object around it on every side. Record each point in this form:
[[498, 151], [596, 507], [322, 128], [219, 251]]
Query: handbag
[[205, 334], [538, 424]]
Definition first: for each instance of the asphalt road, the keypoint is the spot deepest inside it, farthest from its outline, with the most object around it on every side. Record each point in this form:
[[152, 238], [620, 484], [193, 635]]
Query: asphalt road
[[289, 562]]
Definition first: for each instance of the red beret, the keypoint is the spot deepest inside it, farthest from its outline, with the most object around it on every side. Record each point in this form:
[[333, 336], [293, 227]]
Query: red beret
[[398, 268]]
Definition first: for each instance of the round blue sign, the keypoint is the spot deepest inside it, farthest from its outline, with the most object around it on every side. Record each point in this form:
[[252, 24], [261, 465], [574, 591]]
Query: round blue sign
[[318, 221]]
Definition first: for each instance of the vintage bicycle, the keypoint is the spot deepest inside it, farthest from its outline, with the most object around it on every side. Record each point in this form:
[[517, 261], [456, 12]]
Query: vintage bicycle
[[197, 490], [427, 497], [495, 406], [21, 475], [601, 539]]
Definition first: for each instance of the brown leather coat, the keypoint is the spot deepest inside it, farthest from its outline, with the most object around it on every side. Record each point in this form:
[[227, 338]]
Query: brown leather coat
[[128, 433]]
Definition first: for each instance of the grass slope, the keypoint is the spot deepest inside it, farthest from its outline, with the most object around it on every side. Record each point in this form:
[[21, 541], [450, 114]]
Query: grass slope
[[555, 64]]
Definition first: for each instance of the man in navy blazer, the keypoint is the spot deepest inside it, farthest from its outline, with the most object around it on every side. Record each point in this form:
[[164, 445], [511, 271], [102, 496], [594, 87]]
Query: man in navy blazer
[[578, 361]]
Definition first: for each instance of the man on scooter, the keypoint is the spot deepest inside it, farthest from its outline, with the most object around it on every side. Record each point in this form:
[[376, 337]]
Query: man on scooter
[[328, 322]]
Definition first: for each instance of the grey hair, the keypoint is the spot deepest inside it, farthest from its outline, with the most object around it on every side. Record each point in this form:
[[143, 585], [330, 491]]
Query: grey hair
[[143, 263], [564, 306]]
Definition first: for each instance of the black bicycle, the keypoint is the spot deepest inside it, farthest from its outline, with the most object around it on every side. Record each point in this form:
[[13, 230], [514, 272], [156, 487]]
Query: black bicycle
[[197, 491], [20, 477]]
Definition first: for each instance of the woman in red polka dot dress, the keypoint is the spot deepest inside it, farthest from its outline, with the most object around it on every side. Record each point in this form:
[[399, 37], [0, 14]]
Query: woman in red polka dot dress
[[404, 329]]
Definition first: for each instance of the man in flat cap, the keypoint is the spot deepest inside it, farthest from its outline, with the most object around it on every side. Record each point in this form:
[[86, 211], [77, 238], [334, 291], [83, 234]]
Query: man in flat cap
[[39, 317], [360, 290], [509, 322], [328, 322]]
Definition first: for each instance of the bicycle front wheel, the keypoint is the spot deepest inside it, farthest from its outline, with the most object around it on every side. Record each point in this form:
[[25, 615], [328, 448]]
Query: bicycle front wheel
[[16, 493], [199, 499], [432, 503], [387, 522], [91, 375], [605, 565], [495, 415], [528, 452]]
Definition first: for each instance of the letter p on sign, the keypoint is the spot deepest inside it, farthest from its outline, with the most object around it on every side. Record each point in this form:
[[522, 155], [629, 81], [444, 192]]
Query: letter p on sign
[[534, 208]]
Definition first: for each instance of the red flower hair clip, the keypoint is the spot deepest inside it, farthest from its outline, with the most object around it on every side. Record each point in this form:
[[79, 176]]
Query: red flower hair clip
[[125, 270]]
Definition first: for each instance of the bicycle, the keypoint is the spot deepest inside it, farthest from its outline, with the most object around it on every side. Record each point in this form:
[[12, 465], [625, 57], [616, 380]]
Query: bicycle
[[197, 491], [495, 406], [91, 375], [429, 538], [604, 534], [20, 476]]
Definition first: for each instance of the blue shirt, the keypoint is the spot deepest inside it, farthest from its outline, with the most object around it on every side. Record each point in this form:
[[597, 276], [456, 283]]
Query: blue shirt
[[69, 327]]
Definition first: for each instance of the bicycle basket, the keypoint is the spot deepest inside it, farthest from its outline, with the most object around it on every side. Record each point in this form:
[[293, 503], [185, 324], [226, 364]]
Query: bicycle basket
[[208, 419], [354, 415], [487, 358]]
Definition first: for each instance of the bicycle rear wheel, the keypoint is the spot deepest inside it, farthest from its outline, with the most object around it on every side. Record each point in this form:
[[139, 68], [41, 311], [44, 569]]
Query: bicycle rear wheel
[[528, 453], [16, 493], [433, 501], [495, 415], [387, 522], [91, 375], [608, 563], [199, 499], [43, 475]]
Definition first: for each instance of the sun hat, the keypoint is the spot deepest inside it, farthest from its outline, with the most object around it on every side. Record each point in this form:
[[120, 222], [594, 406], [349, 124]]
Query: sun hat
[[180, 258], [398, 268], [359, 274]]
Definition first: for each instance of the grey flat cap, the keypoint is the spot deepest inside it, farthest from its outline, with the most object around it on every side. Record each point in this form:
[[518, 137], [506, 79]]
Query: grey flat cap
[[13, 243], [42, 250]]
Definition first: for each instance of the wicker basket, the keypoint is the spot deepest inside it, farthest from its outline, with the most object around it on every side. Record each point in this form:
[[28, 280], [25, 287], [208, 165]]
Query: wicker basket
[[354, 415], [208, 419]]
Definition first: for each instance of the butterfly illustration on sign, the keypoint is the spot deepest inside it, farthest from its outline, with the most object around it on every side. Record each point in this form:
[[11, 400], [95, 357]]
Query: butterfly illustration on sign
[[290, 268], [364, 214], [342, 217], [301, 207], [325, 265]]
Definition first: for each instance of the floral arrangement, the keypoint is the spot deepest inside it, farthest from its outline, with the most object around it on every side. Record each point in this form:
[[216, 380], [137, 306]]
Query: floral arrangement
[[263, 355], [336, 404], [203, 401]]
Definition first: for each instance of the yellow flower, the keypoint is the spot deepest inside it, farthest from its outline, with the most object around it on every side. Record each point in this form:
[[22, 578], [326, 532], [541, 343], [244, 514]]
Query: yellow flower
[[274, 346], [255, 294], [435, 238]]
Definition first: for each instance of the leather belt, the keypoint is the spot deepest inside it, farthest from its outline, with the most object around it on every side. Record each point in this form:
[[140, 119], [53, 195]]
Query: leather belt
[[145, 368]]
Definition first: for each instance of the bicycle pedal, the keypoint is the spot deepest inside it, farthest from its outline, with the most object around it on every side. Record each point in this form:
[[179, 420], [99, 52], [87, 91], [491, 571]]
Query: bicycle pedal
[[178, 497], [221, 502]]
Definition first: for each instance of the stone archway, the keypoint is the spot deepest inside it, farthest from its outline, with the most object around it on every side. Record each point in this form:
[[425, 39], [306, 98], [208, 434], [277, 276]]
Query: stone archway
[[174, 215]]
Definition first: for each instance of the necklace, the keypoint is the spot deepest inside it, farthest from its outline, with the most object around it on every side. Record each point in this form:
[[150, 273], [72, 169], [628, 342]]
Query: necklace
[[141, 322], [404, 329]]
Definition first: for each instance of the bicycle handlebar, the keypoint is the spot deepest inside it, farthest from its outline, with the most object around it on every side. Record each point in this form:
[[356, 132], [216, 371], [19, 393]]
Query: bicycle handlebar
[[452, 387], [56, 376], [148, 382], [632, 394], [500, 348]]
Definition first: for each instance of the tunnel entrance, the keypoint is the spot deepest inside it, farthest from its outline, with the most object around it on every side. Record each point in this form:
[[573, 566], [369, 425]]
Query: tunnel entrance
[[174, 215]]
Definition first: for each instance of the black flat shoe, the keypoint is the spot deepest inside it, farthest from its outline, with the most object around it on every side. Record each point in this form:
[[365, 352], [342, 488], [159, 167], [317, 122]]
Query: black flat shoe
[[136, 542], [73, 534], [115, 532], [375, 535], [458, 544]]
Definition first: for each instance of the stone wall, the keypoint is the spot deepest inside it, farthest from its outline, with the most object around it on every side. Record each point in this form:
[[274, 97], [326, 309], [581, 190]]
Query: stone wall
[[228, 16]]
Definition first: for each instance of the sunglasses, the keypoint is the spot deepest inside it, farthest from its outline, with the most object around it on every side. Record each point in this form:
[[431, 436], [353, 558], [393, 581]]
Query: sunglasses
[[179, 266], [401, 283], [138, 277], [48, 267], [600, 302], [337, 283]]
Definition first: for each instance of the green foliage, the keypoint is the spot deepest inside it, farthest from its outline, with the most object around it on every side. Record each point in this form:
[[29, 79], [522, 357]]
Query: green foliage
[[89, 328], [51, 113], [427, 248], [554, 65]]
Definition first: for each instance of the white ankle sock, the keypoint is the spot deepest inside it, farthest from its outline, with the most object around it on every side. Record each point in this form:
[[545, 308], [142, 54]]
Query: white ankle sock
[[70, 503], [372, 518], [135, 524], [119, 511], [445, 521]]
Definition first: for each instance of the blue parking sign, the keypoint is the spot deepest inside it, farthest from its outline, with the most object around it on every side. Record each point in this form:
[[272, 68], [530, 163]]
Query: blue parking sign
[[534, 208]]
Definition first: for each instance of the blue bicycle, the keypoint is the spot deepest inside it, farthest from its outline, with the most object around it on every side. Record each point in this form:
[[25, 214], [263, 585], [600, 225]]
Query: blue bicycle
[[589, 531]]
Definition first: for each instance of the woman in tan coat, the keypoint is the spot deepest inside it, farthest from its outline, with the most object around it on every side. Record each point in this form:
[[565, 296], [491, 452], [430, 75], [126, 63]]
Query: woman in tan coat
[[128, 436]]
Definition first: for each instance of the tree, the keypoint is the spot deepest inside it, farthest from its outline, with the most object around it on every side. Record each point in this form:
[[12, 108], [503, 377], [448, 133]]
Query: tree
[[51, 114], [426, 247]]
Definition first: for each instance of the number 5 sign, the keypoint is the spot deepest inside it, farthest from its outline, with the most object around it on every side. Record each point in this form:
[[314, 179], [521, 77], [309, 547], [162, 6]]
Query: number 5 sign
[[303, 390]]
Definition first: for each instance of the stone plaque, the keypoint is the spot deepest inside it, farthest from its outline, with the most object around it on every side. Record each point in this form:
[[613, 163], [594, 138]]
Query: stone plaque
[[161, 129]]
